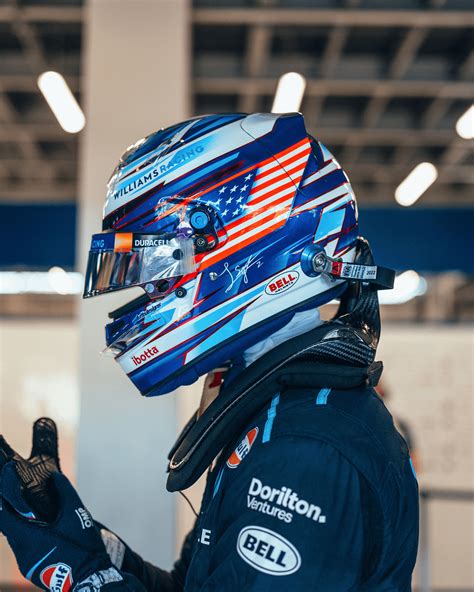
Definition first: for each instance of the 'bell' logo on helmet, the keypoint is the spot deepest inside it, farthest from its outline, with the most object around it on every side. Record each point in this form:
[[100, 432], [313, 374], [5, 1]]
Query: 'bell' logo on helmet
[[242, 449], [282, 282]]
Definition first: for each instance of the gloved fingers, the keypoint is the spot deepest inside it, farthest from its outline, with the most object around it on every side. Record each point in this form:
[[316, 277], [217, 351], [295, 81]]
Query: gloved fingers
[[12, 493], [6, 452], [45, 439], [69, 499]]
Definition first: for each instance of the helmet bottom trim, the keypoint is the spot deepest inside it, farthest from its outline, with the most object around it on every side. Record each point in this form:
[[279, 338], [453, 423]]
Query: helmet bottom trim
[[226, 351]]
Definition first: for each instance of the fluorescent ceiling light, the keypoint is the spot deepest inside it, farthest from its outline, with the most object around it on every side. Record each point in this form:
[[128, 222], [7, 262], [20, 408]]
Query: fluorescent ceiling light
[[54, 281], [417, 182], [407, 286], [289, 93], [465, 124], [61, 101]]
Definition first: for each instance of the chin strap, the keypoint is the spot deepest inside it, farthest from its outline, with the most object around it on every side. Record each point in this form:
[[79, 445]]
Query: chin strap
[[381, 278]]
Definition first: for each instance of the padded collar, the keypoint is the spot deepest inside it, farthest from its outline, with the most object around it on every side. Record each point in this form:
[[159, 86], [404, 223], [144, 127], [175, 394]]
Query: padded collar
[[296, 363]]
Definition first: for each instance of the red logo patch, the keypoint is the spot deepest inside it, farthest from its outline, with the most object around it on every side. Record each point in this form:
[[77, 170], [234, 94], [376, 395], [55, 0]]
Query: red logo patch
[[57, 577], [242, 449], [282, 282]]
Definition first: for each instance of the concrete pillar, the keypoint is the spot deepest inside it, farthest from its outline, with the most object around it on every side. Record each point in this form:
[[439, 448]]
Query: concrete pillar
[[136, 80]]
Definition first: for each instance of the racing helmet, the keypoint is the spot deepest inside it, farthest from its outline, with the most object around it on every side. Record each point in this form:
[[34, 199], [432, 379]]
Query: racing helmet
[[230, 224]]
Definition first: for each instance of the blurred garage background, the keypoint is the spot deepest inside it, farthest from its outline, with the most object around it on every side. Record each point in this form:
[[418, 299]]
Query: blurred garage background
[[387, 85]]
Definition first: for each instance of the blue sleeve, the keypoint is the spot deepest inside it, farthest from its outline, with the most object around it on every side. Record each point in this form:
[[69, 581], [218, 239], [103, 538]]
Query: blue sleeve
[[290, 518]]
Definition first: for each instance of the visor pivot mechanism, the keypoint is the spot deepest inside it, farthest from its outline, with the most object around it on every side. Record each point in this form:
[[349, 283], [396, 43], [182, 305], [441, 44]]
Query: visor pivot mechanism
[[200, 219]]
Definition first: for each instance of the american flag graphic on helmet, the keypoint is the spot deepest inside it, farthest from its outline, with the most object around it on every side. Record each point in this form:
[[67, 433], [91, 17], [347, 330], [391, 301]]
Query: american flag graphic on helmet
[[259, 201]]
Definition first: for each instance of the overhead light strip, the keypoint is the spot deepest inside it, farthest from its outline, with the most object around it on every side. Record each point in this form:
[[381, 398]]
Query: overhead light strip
[[465, 124], [62, 102], [289, 93], [416, 183]]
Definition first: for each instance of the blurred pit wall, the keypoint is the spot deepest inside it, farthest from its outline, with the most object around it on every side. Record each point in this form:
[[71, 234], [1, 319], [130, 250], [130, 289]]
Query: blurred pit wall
[[136, 77], [429, 377]]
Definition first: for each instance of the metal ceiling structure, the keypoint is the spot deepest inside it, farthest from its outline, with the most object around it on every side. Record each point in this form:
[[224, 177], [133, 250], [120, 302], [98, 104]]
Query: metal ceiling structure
[[386, 83]]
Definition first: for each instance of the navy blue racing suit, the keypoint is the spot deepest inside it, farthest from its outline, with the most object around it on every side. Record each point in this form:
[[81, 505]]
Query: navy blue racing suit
[[318, 493]]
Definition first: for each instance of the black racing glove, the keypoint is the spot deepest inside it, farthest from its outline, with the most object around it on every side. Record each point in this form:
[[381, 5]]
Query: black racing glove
[[56, 543], [58, 555], [35, 472]]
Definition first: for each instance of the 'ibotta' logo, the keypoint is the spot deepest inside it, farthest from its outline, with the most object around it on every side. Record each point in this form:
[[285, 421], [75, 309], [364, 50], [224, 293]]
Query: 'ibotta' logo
[[145, 355], [282, 282], [268, 551]]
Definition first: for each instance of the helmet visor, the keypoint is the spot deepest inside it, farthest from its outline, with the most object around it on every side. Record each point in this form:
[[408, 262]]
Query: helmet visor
[[125, 259]]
